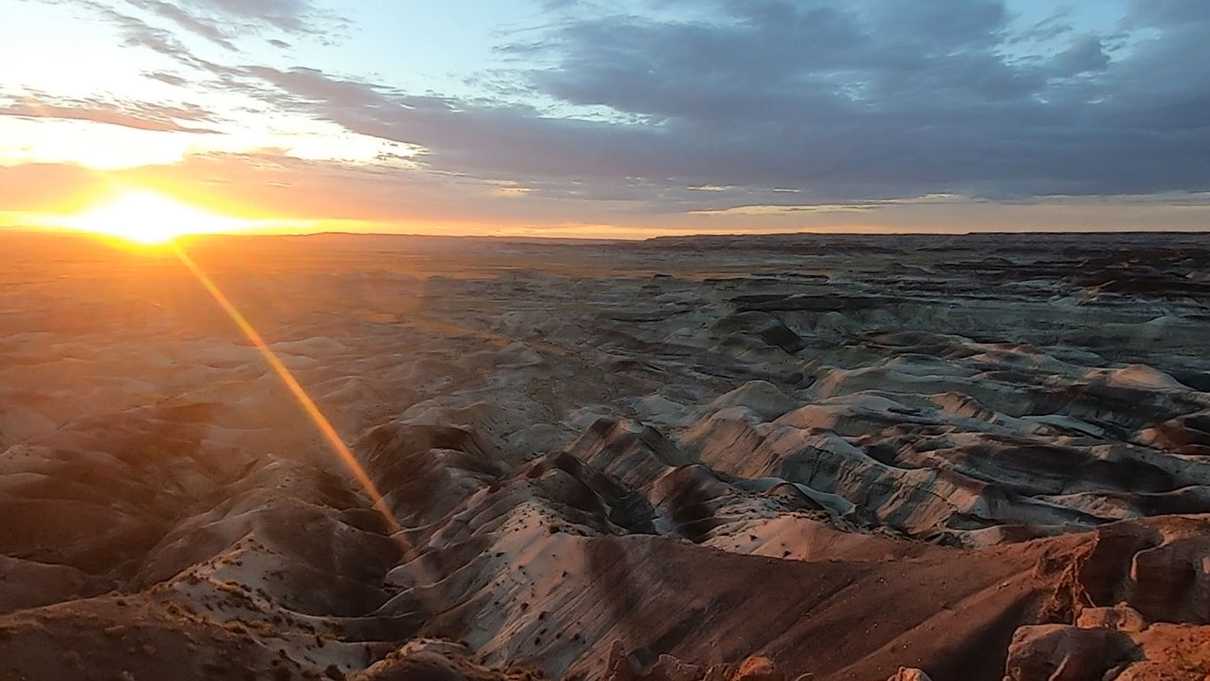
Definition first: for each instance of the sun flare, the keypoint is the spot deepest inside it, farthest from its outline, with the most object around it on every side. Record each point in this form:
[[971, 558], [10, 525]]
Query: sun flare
[[149, 218]]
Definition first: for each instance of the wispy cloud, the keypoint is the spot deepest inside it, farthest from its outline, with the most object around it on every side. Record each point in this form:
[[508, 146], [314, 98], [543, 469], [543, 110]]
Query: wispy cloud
[[202, 26], [129, 114], [300, 17]]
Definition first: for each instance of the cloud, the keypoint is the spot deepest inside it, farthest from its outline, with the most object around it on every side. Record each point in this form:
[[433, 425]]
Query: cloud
[[135, 32], [845, 102], [266, 186], [288, 16], [220, 22], [792, 209], [167, 78], [1085, 54], [206, 28], [136, 115], [901, 98], [792, 109]]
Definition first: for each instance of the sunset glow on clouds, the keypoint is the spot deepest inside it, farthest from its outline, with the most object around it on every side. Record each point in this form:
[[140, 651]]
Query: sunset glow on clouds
[[608, 119]]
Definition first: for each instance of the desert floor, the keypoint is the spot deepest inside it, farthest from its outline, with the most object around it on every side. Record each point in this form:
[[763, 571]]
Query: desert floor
[[976, 456]]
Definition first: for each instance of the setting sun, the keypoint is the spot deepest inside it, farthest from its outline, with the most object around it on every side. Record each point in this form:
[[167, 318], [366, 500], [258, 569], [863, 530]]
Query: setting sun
[[149, 218]]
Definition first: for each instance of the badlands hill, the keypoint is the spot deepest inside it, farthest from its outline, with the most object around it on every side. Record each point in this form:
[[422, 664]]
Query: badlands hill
[[748, 459]]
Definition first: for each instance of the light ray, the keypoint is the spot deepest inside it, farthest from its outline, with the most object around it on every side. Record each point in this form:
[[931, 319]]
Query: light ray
[[308, 405]]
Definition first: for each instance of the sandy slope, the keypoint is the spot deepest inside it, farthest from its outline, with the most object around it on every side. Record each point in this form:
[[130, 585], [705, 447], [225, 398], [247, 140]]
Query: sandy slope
[[834, 456]]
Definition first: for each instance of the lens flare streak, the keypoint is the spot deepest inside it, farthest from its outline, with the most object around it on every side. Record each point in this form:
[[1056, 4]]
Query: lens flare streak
[[308, 405]]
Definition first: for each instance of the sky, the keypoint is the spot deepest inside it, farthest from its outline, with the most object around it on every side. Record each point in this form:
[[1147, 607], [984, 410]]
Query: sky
[[626, 119]]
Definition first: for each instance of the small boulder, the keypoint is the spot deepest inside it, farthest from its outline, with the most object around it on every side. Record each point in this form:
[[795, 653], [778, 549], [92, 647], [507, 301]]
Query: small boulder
[[1058, 652], [758, 668], [1120, 617]]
